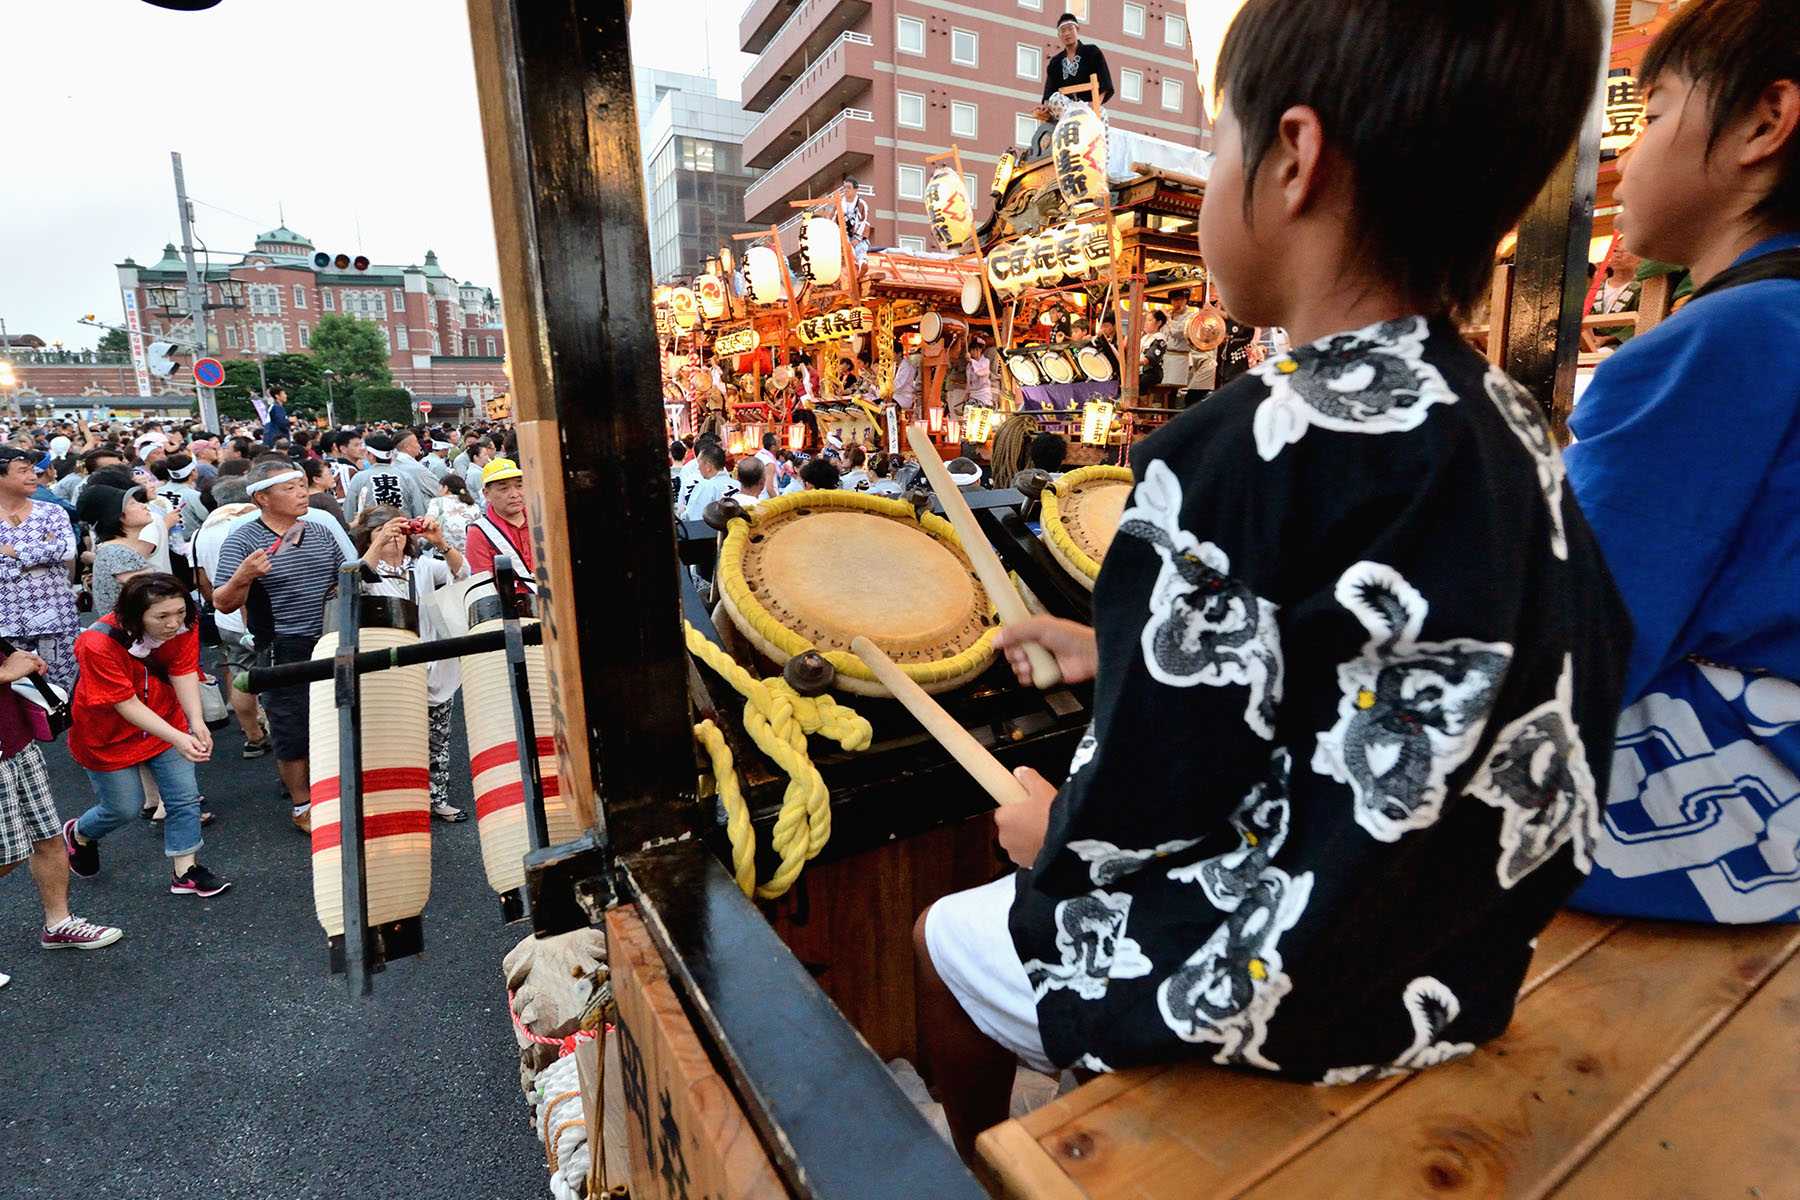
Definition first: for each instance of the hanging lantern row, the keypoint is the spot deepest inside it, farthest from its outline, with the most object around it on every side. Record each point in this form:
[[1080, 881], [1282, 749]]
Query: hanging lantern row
[[821, 251], [734, 342], [947, 204], [1096, 422], [1046, 259], [1078, 152], [845, 322]]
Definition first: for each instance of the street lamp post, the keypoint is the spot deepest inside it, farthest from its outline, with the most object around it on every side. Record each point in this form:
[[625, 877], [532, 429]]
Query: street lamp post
[[330, 412]]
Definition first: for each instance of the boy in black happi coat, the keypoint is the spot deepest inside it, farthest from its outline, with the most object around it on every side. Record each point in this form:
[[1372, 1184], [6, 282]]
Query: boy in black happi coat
[[1357, 657]]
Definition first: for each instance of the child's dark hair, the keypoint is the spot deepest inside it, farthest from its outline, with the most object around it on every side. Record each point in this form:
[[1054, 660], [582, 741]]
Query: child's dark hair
[[141, 591], [1735, 49], [1402, 87], [822, 473], [1049, 451]]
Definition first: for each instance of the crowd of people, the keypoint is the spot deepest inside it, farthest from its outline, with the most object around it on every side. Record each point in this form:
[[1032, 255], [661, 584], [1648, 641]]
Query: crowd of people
[[144, 565]]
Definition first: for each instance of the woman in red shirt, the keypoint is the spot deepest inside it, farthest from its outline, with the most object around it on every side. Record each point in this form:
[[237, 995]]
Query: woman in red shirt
[[137, 701]]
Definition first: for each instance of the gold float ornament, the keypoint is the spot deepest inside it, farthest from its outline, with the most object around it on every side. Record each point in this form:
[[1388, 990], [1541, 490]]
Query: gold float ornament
[[684, 307], [1096, 422], [1078, 152], [709, 290], [762, 272], [832, 326], [947, 203], [821, 251], [737, 341]]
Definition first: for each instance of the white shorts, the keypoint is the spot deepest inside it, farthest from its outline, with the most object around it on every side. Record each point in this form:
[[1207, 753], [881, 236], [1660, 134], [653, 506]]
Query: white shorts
[[973, 952]]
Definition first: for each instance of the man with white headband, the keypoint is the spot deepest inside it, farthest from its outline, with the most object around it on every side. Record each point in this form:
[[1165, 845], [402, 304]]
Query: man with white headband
[[176, 476], [387, 481], [1078, 61], [278, 567]]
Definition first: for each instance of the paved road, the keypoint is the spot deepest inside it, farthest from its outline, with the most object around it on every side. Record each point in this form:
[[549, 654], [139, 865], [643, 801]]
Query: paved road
[[210, 1054]]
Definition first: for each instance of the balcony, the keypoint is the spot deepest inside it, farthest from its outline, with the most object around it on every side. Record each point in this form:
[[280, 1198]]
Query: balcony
[[815, 167], [836, 79], [760, 20], [805, 36]]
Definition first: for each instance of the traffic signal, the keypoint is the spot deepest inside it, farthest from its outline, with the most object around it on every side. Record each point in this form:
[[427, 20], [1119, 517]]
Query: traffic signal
[[325, 260], [159, 362]]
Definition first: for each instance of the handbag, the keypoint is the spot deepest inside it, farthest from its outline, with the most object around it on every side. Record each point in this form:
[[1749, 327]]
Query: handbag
[[213, 708], [44, 705]]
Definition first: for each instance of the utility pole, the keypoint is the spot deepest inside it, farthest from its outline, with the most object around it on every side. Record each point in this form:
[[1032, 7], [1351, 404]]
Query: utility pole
[[196, 293]]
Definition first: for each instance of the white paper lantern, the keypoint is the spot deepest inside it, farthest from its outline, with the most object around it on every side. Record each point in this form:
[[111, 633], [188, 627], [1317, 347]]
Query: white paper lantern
[[1078, 152], [947, 203], [685, 307], [763, 267], [710, 290], [495, 760], [396, 782], [821, 250]]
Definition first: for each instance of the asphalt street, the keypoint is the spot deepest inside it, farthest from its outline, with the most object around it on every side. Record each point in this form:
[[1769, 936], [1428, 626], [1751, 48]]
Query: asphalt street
[[210, 1053]]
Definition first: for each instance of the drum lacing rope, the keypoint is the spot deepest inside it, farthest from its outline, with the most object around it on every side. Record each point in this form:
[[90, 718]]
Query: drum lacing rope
[[778, 719]]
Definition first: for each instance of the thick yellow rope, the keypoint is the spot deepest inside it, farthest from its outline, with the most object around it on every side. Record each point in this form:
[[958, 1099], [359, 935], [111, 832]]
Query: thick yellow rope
[[1056, 531], [778, 719]]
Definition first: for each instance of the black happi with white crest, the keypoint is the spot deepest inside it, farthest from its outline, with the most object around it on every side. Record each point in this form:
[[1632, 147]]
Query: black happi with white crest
[[1352, 633]]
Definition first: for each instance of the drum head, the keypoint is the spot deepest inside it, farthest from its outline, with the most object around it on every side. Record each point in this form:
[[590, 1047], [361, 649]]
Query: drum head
[[1081, 517], [931, 326], [815, 569], [1094, 364], [1057, 367], [971, 296]]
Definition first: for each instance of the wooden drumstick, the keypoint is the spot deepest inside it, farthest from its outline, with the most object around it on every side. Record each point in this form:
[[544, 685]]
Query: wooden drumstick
[[988, 568], [969, 754]]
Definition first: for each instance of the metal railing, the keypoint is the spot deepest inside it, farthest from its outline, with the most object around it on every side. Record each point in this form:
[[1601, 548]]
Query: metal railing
[[830, 127], [761, 58], [811, 73]]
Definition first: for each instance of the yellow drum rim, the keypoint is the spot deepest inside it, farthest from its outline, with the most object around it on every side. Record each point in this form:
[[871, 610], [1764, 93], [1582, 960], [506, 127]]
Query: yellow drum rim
[[1074, 559], [770, 635]]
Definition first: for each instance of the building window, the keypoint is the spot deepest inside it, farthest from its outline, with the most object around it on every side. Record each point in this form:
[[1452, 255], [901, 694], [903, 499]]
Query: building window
[[965, 48], [913, 245], [1079, 8], [299, 296], [325, 299], [400, 335], [1131, 85], [305, 337], [912, 182], [1134, 20], [1033, 5], [912, 110], [265, 299], [1024, 126], [1174, 30], [1029, 63], [962, 119], [490, 348], [399, 301], [912, 35], [270, 339], [1172, 94], [969, 185], [231, 337]]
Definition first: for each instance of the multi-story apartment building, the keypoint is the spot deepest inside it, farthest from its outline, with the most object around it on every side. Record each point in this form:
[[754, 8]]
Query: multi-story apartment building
[[871, 88]]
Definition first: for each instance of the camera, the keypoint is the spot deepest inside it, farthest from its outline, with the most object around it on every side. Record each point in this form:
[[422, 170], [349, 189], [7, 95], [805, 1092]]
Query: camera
[[415, 526]]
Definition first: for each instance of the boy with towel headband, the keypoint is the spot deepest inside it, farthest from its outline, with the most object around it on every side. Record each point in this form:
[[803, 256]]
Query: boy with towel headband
[[1356, 655]]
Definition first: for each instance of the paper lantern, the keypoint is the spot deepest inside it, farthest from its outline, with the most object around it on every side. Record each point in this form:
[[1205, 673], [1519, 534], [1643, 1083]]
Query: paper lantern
[[494, 757], [396, 787], [710, 290], [1078, 153], [1096, 422], [934, 417], [821, 251], [947, 203], [685, 307], [978, 423], [1207, 21], [796, 437], [762, 267], [1003, 171], [953, 431]]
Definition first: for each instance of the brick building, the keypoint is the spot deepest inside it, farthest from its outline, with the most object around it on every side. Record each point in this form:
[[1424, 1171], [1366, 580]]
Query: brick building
[[871, 88], [444, 337]]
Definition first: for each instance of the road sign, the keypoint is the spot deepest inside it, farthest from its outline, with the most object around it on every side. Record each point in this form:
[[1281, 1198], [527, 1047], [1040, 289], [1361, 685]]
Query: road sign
[[425, 406], [208, 372]]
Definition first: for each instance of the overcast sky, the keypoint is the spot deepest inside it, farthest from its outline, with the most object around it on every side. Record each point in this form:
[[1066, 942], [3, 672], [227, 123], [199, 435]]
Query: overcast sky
[[348, 114]]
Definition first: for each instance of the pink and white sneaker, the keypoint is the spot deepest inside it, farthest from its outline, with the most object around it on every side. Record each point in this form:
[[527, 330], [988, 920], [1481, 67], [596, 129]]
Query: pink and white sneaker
[[73, 933]]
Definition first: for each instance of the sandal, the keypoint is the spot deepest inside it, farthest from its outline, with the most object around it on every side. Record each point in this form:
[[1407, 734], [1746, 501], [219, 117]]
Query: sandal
[[206, 818], [444, 811]]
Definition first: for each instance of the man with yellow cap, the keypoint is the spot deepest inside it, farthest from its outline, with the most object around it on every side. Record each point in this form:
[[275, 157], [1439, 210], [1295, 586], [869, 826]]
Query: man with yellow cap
[[502, 528]]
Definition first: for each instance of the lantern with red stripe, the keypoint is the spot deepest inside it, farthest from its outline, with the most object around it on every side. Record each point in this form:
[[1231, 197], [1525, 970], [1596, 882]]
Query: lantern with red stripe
[[396, 778], [494, 753]]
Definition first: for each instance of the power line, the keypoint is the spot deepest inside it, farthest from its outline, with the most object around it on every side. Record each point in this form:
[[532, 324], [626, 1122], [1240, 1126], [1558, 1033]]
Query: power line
[[228, 212]]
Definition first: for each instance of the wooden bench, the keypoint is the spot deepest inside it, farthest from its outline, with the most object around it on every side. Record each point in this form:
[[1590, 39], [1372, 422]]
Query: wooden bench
[[1645, 1059]]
